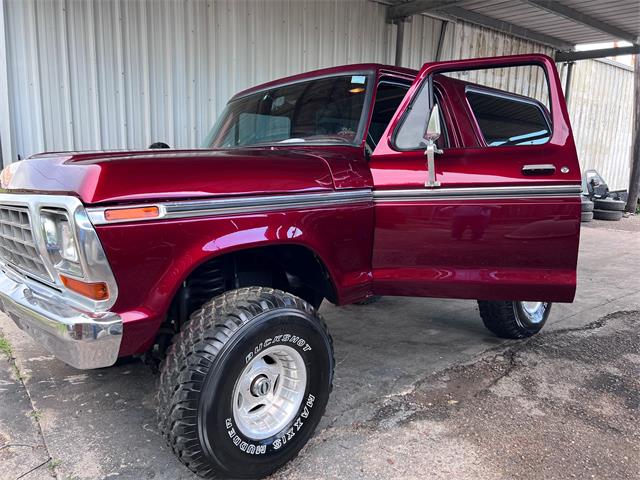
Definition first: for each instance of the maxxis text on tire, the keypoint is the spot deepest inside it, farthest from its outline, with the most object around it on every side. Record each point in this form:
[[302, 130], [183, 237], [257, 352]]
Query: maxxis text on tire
[[586, 217], [207, 360], [508, 319], [609, 204], [610, 215]]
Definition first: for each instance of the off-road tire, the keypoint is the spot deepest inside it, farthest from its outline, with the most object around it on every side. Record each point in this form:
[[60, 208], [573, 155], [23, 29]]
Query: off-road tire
[[195, 410], [586, 217], [609, 215], [509, 319], [609, 204]]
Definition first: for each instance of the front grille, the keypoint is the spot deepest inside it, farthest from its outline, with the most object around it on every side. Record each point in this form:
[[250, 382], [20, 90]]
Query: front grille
[[17, 246]]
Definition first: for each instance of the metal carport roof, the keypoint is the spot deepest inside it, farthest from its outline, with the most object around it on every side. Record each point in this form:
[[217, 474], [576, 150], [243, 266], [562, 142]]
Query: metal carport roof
[[561, 24]]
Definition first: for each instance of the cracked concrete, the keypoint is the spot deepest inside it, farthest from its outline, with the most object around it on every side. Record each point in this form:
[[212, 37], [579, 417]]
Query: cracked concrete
[[557, 406], [422, 390], [23, 449]]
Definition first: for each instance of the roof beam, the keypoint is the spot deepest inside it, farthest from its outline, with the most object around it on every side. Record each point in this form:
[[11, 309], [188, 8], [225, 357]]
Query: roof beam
[[569, 13], [600, 53], [414, 7], [509, 28]]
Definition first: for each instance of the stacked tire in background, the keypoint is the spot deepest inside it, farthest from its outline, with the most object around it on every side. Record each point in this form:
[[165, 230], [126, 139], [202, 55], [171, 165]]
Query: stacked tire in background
[[598, 201], [607, 209], [587, 209]]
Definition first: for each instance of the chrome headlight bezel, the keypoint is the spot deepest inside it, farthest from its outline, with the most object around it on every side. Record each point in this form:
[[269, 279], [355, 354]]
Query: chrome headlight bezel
[[91, 257], [60, 241]]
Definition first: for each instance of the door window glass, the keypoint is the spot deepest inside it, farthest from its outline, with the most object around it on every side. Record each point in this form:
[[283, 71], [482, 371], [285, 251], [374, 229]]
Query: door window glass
[[508, 119], [410, 135], [388, 100], [509, 104], [506, 106]]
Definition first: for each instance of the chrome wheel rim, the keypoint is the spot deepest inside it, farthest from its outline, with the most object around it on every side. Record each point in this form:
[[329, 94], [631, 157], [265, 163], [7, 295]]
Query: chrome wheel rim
[[534, 310], [269, 392]]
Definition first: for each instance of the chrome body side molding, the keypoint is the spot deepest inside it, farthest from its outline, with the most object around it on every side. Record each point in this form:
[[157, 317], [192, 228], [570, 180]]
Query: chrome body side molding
[[242, 205], [267, 203], [464, 193]]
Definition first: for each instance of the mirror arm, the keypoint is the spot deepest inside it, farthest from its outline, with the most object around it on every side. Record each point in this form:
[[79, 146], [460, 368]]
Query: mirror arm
[[430, 153]]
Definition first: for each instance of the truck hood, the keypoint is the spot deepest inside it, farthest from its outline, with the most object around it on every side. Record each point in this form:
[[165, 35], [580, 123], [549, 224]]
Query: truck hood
[[101, 177]]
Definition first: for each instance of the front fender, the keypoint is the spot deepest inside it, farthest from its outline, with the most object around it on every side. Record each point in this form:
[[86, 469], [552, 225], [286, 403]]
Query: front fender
[[150, 260]]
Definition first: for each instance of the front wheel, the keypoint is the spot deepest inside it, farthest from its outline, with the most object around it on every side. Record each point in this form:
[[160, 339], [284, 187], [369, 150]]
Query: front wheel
[[514, 319], [245, 384]]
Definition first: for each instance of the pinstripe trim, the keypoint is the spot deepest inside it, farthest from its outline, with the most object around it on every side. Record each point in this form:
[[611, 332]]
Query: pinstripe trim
[[420, 195], [268, 203], [227, 206]]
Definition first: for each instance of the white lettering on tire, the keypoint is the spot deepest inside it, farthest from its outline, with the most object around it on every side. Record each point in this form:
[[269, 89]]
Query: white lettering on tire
[[286, 338], [297, 425], [278, 443]]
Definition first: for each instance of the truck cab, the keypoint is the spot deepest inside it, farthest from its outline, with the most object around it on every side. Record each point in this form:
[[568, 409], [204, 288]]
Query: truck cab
[[460, 180]]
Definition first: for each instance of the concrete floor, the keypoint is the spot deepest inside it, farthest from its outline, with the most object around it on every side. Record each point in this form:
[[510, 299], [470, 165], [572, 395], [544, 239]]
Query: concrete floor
[[422, 390]]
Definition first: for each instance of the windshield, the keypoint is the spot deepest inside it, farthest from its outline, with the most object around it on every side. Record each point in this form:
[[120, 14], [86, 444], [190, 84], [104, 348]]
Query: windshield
[[325, 110]]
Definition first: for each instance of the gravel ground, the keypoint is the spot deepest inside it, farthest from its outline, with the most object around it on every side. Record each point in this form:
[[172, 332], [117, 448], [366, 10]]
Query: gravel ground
[[562, 405], [422, 390], [630, 223]]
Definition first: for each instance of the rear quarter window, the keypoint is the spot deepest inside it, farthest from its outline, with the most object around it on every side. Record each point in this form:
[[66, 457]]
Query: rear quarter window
[[506, 119]]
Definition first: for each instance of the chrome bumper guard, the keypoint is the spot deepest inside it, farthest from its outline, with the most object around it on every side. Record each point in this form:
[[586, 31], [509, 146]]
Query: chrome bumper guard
[[84, 340]]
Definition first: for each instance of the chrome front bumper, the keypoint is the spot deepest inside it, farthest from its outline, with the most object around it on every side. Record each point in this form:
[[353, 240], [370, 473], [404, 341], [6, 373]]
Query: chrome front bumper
[[82, 339]]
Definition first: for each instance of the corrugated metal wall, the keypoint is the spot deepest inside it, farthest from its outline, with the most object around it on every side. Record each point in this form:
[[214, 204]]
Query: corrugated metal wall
[[601, 111], [121, 74], [601, 96], [463, 40], [124, 73]]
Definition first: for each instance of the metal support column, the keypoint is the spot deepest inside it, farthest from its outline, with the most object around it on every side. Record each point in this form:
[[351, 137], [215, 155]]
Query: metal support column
[[567, 82], [399, 40], [6, 143], [443, 33], [634, 180]]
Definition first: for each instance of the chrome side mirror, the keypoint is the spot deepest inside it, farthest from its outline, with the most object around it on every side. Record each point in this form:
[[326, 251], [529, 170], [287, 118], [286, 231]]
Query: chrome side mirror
[[433, 131], [431, 135]]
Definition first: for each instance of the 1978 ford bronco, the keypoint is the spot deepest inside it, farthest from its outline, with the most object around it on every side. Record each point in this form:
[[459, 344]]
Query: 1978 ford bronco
[[339, 184]]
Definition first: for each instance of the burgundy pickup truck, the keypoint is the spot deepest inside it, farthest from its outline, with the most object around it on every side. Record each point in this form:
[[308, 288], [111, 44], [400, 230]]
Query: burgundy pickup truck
[[339, 184]]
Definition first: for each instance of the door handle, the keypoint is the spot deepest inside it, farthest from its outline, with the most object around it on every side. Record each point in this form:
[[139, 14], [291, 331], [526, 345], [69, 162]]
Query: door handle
[[544, 169]]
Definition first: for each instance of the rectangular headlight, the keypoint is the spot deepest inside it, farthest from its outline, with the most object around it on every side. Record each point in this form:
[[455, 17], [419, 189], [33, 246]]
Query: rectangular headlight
[[60, 241]]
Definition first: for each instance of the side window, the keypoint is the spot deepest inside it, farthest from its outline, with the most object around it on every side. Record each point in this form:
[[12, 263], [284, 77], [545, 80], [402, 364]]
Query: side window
[[388, 100], [509, 104], [506, 119], [410, 135]]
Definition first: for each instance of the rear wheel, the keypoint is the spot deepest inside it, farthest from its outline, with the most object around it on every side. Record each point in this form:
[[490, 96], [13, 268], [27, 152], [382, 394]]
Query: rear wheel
[[514, 319], [245, 383]]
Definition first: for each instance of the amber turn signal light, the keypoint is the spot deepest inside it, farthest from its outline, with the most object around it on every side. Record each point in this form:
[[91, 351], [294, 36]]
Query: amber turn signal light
[[95, 291], [136, 213]]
